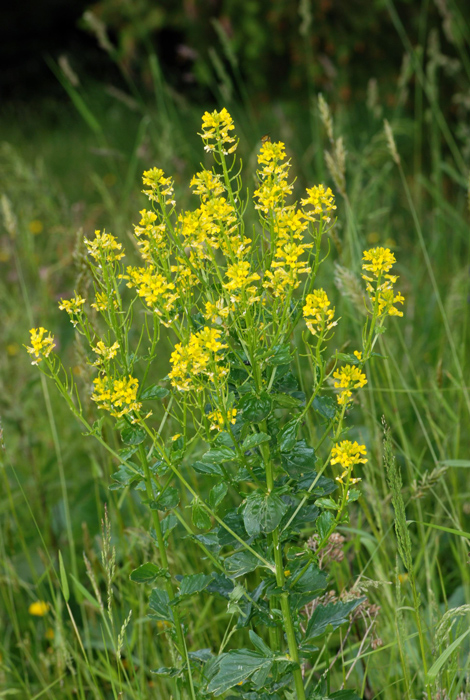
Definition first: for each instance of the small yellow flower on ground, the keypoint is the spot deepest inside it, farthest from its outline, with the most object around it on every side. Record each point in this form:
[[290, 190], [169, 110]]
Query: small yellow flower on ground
[[39, 608]]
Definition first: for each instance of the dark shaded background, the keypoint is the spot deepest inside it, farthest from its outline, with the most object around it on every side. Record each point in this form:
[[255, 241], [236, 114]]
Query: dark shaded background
[[281, 47]]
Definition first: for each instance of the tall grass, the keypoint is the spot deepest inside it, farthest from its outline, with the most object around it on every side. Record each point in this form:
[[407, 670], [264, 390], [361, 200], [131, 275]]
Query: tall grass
[[408, 541]]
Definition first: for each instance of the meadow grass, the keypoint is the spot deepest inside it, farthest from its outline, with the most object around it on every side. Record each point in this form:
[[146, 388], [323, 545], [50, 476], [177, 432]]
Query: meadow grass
[[72, 174]]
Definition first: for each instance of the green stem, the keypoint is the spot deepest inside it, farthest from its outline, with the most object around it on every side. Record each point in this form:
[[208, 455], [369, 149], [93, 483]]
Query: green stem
[[164, 560]]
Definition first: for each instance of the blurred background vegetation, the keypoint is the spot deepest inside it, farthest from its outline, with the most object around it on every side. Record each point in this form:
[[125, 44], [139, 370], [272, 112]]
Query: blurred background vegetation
[[94, 94]]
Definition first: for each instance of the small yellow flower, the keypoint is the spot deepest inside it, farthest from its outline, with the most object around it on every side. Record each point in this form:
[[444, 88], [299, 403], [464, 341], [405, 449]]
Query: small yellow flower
[[175, 437], [347, 454], [358, 354], [219, 420], [216, 127], [318, 317], [73, 307], [103, 352], [378, 260], [104, 246], [39, 608], [41, 345], [36, 227], [322, 202], [348, 377]]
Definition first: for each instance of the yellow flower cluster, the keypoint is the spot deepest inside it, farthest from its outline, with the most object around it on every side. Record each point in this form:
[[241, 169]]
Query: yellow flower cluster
[[378, 262], [349, 377], [212, 226], [42, 344], [216, 312], [73, 307], [104, 247], [103, 300], [274, 187], [157, 292], [347, 454], [240, 280], [215, 131], [322, 202], [207, 185], [198, 358], [104, 353], [219, 421], [118, 396], [160, 188], [317, 314], [150, 234]]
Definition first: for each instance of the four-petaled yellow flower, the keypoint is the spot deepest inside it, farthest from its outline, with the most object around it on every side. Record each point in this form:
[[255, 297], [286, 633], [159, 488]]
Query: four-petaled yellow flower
[[206, 184], [219, 421], [39, 608], [161, 188], [42, 344], [198, 358], [73, 307], [382, 297], [322, 202], [216, 127], [104, 247], [317, 314], [118, 396], [347, 454], [349, 377], [104, 352]]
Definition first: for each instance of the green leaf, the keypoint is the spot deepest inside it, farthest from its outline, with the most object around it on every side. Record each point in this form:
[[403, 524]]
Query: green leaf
[[169, 499], [147, 573], [255, 408], [64, 584], [209, 469], [166, 671], [191, 584], [217, 494], [168, 523], [260, 645], [234, 668], [133, 435], [241, 563], [285, 400], [154, 392], [324, 523], [218, 455], [325, 406], [456, 463], [288, 435], [125, 476], [159, 603], [254, 440], [299, 460], [279, 355], [83, 591], [440, 661], [221, 585], [327, 618], [201, 518], [263, 512]]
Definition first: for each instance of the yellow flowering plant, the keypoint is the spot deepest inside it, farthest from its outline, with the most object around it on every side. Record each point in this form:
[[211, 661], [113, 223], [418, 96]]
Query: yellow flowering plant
[[238, 312]]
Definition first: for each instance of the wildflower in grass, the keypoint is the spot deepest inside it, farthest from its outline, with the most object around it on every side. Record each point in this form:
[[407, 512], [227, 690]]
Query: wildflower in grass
[[42, 344], [150, 234], [219, 420], [318, 316], [118, 396], [160, 188], [378, 262], [349, 377], [216, 312], [36, 226], [215, 131], [104, 353], [322, 202], [347, 454], [39, 608], [206, 184], [73, 307], [104, 247]]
